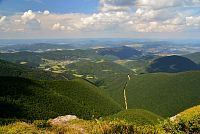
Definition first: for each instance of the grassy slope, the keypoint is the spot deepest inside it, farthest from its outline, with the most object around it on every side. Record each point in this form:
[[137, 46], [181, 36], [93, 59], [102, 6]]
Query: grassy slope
[[164, 94], [189, 114], [27, 99], [137, 116], [187, 123]]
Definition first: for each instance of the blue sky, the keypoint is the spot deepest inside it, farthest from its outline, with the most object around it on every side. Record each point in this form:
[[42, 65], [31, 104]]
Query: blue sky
[[99, 19], [9, 7]]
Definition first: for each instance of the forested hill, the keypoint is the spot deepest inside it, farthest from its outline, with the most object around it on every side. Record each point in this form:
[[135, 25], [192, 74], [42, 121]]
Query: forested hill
[[27, 99], [17, 70]]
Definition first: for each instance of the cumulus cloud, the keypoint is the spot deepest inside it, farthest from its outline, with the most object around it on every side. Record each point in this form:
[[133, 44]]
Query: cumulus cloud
[[30, 20], [29, 15], [46, 12], [33, 24], [115, 5], [2, 19], [114, 16], [144, 15], [160, 4], [157, 4], [193, 21], [124, 5], [104, 21], [118, 2], [58, 26]]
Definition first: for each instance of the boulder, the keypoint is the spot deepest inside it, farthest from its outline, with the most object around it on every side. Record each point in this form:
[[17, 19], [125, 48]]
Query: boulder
[[62, 119]]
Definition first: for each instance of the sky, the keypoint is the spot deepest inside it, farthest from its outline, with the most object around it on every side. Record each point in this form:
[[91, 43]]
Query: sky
[[38, 19]]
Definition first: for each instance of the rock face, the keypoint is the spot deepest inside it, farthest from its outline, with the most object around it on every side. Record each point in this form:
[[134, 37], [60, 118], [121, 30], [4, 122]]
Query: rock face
[[62, 119]]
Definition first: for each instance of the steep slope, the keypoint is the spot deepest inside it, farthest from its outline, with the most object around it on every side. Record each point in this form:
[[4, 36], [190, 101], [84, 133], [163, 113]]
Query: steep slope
[[194, 57], [188, 114], [187, 121], [26, 99], [172, 64], [137, 116], [162, 93]]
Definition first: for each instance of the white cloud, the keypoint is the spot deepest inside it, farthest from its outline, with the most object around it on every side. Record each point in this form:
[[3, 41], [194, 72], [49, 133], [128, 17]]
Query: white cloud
[[153, 26], [115, 17], [29, 15], [193, 21], [118, 2], [46, 12], [33, 24], [115, 5], [58, 26], [17, 21], [110, 21], [160, 4], [125, 5], [149, 15], [2, 19]]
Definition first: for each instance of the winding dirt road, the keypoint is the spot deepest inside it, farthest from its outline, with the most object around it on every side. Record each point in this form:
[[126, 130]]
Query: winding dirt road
[[124, 90]]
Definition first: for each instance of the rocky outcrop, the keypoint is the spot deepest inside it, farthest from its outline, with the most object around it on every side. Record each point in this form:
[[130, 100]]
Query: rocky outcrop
[[62, 119]]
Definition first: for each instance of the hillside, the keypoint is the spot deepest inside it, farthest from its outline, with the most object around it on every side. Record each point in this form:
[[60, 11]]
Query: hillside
[[30, 58], [186, 123], [172, 64], [138, 66], [17, 70], [162, 93], [188, 114], [121, 52], [27, 99], [102, 73], [137, 116], [195, 57]]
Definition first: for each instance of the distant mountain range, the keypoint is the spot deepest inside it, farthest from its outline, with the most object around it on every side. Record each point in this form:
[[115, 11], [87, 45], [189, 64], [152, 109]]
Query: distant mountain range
[[36, 47], [194, 57], [121, 52]]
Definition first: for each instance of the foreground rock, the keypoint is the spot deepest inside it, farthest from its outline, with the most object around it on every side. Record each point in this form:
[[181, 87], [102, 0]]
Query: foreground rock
[[173, 119], [61, 120]]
